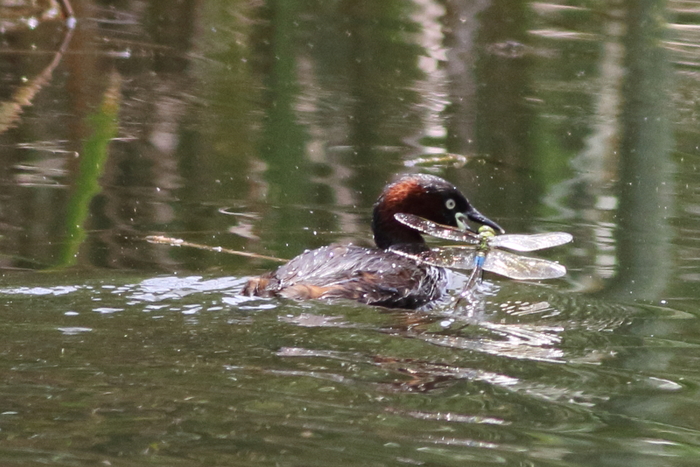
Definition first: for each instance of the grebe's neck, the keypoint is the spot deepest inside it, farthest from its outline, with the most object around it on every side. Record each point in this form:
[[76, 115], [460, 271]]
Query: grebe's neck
[[401, 197], [388, 232]]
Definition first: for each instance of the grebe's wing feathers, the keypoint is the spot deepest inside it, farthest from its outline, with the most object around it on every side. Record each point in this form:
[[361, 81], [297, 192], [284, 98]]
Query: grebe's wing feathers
[[371, 276]]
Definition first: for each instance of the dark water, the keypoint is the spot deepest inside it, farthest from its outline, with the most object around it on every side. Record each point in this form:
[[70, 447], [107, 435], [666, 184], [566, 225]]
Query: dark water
[[271, 127]]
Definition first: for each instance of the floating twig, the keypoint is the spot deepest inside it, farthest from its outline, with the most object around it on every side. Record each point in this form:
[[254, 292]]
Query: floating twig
[[216, 249], [67, 10]]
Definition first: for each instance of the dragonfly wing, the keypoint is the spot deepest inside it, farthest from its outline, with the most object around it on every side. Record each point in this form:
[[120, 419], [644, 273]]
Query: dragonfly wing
[[436, 230], [522, 267], [533, 242], [455, 258]]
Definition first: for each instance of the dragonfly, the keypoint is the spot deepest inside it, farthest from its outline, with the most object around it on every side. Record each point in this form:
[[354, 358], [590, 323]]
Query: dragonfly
[[485, 250]]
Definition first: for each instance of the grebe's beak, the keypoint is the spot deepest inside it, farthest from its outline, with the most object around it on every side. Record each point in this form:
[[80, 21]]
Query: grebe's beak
[[474, 215]]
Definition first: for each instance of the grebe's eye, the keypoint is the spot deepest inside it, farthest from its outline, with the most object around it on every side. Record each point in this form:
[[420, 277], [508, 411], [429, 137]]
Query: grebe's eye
[[450, 204]]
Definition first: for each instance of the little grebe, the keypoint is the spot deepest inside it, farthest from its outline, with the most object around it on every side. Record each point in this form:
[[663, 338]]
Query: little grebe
[[378, 276]]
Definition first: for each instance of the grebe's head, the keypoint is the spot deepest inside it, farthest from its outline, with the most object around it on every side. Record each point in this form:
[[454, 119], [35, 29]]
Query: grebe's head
[[426, 196]]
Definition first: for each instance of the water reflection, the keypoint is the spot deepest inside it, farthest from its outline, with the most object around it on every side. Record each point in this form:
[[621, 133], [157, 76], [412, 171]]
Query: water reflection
[[319, 115], [646, 171]]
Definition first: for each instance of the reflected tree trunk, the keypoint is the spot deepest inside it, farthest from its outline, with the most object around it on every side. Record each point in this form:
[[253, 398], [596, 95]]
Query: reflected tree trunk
[[505, 122], [283, 138], [645, 166], [463, 25]]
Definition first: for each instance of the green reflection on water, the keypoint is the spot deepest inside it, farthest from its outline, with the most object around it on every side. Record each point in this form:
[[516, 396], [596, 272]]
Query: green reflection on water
[[646, 171], [104, 126]]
